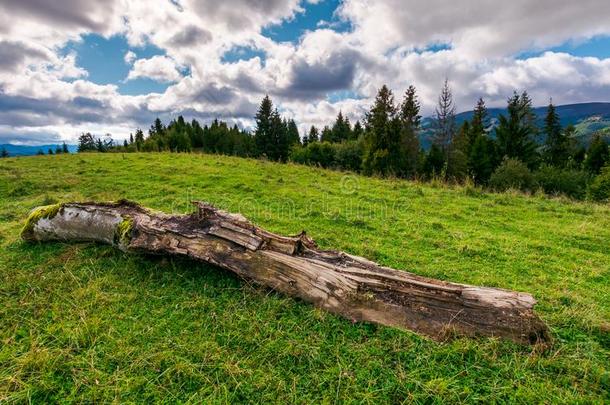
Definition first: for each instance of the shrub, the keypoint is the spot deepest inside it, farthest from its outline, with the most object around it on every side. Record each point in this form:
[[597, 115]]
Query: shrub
[[315, 154], [348, 155], [512, 173], [599, 190], [570, 182]]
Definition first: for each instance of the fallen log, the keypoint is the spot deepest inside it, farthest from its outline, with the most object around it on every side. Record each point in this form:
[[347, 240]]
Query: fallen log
[[351, 286]]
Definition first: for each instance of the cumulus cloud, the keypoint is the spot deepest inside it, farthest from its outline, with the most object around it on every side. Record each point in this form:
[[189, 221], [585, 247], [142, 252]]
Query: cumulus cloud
[[43, 91], [159, 68], [14, 54], [129, 57], [481, 28]]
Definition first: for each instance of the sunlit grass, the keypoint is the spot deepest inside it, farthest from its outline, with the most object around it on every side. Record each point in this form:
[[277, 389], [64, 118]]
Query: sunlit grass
[[86, 323]]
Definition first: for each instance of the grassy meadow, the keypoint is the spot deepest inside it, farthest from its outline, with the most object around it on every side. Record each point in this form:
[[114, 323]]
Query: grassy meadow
[[88, 323]]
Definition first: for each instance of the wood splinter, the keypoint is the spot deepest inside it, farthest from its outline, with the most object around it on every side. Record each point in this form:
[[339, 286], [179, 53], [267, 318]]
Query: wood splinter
[[351, 286]]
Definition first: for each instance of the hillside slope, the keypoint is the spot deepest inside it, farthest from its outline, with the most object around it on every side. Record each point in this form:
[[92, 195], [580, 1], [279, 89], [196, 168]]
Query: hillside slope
[[80, 322]]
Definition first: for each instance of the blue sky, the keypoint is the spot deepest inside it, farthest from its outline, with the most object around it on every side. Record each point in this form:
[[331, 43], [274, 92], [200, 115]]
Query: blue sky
[[207, 59], [103, 59]]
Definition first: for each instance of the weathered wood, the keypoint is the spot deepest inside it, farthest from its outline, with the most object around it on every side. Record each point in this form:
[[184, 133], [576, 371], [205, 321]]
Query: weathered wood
[[351, 286]]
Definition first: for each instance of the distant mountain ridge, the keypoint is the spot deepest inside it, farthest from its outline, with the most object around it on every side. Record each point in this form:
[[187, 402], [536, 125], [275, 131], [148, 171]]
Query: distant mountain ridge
[[28, 150], [588, 118]]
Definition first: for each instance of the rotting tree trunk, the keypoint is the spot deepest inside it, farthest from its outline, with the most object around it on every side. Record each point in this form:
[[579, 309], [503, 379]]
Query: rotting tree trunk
[[351, 286]]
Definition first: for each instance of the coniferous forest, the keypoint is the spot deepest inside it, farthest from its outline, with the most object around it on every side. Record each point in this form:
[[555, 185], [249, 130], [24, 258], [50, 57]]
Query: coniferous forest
[[516, 153]]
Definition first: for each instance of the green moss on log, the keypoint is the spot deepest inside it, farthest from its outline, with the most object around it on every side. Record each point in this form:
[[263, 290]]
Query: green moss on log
[[44, 212], [123, 231]]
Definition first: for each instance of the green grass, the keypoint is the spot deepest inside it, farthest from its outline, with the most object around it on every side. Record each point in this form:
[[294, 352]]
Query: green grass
[[84, 322]]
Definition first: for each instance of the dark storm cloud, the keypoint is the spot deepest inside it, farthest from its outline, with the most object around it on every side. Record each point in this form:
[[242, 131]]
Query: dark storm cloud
[[213, 94], [85, 102], [79, 110], [13, 54], [73, 13], [191, 36], [313, 80]]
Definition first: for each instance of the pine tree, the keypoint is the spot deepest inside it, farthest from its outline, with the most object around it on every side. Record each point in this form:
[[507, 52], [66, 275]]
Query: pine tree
[[293, 133], [357, 132], [382, 151], [341, 130], [263, 133], [196, 135], [326, 134], [156, 128], [556, 151], [482, 160], [86, 142], [139, 136], [410, 121], [434, 163], [527, 114], [479, 123], [64, 148], [445, 126], [598, 154], [314, 135], [125, 143], [3, 153], [515, 133], [410, 108], [279, 138], [478, 147]]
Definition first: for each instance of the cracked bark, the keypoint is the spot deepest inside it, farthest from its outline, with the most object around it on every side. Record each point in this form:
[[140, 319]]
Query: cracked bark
[[351, 286]]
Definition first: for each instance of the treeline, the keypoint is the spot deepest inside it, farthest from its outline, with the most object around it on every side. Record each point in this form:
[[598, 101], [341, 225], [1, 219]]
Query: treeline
[[516, 153]]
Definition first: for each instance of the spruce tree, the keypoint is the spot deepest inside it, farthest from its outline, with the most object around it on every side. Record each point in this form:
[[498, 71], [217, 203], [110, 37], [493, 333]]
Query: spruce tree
[[598, 154], [556, 151], [479, 148], [410, 108], [326, 135], [58, 150], [434, 162], [86, 142], [479, 123], [3, 152], [279, 147], [445, 126], [64, 148], [410, 122], [263, 135], [139, 136], [382, 149], [341, 130], [293, 133], [314, 135], [481, 160], [357, 132], [515, 133]]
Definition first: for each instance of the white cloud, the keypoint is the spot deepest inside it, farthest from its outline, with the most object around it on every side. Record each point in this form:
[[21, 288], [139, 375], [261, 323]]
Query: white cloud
[[129, 57], [479, 28], [159, 68], [36, 96]]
